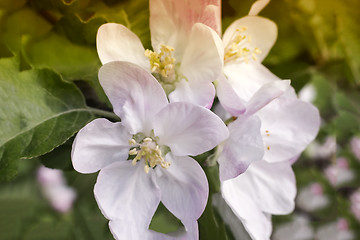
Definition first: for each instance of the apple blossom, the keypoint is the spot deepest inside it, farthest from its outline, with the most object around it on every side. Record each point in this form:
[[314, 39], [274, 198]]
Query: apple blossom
[[160, 136], [355, 147], [298, 229], [355, 204], [312, 198], [187, 55], [54, 188], [339, 172]]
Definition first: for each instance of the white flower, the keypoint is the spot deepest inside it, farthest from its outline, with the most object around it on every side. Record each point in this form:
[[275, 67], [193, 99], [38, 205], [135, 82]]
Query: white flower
[[355, 147], [54, 188], [339, 172], [298, 229], [355, 204], [187, 55], [160, 136], [312, 198], [338, 230]]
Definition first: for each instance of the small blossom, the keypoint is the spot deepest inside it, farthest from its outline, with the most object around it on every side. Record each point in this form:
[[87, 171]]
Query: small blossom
[[54, 188], [298, 229], [355, 204], [312, 198], [339, 173], [355, 147], [338, 230]]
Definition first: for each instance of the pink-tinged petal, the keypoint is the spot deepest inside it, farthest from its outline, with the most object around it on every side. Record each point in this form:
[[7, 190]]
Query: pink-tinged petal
[[257, 7], [247, 79], [189, 129], [212, 17], [171, 20], [203, 56], [115, 42], [198, 93], [288, 126], [166, 26], [184, 188], [243, 147], [127, 193], [266, 94], [256, 223], [228, 97], [135, 94], [99, 144], [273, 185], [262, 31]]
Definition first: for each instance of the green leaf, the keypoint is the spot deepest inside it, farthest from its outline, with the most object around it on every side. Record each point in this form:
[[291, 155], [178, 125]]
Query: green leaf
[[348, 101], [39, 112], [78, 30], [72, 61], [24, 21]]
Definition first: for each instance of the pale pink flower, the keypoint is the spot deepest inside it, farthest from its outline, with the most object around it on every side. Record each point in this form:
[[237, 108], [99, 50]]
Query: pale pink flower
[[298, 229], [55, 190], [338, 230], [161, 136], [355, 147], [312, 197], [355, 204], [339, 173]]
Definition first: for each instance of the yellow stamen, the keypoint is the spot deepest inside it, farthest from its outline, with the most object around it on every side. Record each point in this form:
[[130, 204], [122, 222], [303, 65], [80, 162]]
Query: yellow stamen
[[237, 50], [162, 63], [149, 151]]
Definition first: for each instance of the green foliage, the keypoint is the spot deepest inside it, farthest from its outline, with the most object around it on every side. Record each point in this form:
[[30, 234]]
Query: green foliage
[[41, 112]]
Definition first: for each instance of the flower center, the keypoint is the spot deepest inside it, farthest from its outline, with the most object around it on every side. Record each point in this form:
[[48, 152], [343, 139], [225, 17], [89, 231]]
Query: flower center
[[162, 63], [163, 67], [148, 150], [238, 48]]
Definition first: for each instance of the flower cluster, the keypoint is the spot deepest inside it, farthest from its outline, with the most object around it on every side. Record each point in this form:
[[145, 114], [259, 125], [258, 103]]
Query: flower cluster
[[163, 97]]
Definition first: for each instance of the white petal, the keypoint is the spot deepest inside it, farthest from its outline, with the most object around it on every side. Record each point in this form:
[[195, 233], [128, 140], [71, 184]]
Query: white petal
[[126, 192], [198, 93], [135, 94], [257, 224], [184, 188], [204, 54], [247, 79], [263, 33], [243, 147], [258, 6], [291, 125], [115, 42], [228, 97], [189, 129], [166, 25], [125, 230], [273, 185], [266, 94], [99, 144], [212, 17]]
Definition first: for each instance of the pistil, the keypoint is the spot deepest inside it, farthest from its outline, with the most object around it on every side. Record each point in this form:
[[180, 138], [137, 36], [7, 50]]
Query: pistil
[[148, 150]]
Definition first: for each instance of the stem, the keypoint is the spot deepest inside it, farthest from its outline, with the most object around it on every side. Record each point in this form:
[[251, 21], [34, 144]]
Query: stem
[[104, 113]]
